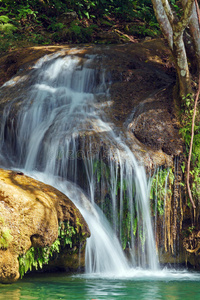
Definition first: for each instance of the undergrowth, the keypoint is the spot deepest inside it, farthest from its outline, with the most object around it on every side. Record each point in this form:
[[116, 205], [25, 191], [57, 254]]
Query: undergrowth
[[40, 22]]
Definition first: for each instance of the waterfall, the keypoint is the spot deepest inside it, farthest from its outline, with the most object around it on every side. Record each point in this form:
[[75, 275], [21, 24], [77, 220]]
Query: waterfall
[[61, 136]]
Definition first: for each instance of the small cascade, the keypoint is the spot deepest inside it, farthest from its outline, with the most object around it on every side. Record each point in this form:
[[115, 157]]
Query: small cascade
[[60, 130]]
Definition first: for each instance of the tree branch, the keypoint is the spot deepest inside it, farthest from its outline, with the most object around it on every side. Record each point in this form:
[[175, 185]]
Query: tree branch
[[185, 19], [198, 12], [195, 32], [163, 21], [168, 11]]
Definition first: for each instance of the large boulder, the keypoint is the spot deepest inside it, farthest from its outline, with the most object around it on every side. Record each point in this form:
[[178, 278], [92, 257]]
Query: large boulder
[[30, 214]]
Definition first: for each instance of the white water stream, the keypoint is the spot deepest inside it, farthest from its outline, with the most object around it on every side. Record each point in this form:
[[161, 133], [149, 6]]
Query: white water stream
[[44, 141]]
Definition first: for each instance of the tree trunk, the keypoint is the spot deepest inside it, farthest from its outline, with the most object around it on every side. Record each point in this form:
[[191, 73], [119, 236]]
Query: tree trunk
[[173, 28], [194, 32], [180, 57], [163, 21]]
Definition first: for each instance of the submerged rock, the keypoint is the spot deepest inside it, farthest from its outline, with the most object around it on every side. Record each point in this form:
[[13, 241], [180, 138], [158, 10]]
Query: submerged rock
[[30, 213]]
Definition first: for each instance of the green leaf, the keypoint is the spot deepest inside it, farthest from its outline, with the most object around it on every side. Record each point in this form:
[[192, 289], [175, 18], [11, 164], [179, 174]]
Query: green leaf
[[7, 28], [86, 13], [4, 19]]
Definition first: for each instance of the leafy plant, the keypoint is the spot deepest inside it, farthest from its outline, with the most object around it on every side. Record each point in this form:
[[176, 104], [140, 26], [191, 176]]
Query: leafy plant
[[37, 21], [160, 189], [191, 229], [35, 258], [56, 26], [25, 11], [176, 7], [5, 26], [66, 233]]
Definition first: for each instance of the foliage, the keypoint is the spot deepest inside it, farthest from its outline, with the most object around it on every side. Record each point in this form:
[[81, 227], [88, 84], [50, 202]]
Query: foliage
[[126, 10], [39, 21], [24, 12], [160, 189], [66, 233], [151, 29], [35, 258], [176, 7], [186, 117], [56, 26], [191, 228], [6, 27]]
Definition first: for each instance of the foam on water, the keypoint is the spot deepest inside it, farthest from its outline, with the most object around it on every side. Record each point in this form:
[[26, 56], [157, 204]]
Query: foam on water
[[137, 274]]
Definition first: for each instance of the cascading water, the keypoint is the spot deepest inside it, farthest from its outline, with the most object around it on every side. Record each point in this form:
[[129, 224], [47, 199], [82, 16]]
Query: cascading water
[[58, 131]]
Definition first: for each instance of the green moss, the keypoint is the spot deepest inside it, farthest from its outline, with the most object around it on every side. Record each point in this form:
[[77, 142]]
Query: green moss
[[5, 237], [79, 225]]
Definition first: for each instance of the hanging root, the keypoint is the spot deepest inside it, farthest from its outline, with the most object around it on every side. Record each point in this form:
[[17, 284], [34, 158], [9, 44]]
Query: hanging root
[[193, 123]]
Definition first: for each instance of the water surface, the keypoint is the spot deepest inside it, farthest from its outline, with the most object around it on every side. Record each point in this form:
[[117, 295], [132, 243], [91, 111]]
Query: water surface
[[137, 284]]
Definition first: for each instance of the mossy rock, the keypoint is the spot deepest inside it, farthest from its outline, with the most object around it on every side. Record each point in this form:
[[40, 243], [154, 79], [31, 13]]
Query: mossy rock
[[30, 213]]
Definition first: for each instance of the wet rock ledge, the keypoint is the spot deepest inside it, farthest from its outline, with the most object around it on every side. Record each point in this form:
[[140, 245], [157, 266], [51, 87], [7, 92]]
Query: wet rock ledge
[[30, 216]]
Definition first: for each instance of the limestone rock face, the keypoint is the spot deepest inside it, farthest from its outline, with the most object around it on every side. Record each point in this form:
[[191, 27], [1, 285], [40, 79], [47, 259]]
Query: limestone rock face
[[30, 212], [155, 127]]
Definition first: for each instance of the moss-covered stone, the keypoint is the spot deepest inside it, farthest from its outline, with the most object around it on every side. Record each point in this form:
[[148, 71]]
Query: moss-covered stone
[[30, 213]]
